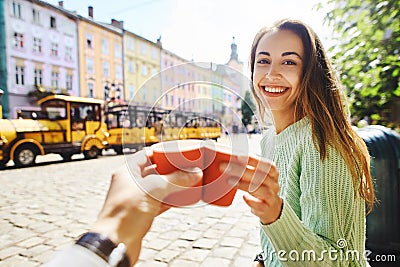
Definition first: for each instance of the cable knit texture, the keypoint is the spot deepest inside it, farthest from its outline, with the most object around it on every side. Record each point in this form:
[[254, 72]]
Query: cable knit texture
[[322, 221]]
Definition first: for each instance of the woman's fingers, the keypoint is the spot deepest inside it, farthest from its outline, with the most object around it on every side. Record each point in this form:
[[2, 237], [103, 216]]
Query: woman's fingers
[[259, 163], [252, 178], [268, 211]]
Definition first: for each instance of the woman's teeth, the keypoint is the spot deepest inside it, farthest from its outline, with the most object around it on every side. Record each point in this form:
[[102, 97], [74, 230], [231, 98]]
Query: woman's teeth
[[274, 89]]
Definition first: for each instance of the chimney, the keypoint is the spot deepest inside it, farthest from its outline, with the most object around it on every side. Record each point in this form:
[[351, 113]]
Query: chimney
[[159, 43], [118, 24], [90, 9], [61, 4]]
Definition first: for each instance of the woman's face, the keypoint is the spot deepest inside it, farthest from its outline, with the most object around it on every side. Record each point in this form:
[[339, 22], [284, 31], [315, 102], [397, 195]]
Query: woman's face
[[278, 68]]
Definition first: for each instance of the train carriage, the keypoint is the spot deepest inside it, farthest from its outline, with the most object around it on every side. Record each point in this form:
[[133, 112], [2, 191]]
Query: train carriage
[[65, 125], [134, 127]]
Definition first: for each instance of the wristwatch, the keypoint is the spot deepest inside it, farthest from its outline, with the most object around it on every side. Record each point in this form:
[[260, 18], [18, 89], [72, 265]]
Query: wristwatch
[[103, 247]]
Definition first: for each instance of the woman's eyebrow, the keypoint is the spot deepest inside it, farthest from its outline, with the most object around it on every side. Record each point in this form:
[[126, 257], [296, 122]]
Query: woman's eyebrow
[[283, 54], [290, 53], [263, 53]]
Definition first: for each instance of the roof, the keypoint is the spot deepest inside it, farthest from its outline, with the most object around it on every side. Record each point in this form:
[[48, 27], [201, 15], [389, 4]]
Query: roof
[[67, 98]]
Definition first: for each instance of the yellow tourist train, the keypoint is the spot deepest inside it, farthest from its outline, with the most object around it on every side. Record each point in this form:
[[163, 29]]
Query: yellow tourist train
[[68, 125], [64, 125], [134, 127]]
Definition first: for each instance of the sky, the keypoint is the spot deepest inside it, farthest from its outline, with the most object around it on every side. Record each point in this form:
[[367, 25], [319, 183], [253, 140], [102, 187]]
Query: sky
[[202, 30]]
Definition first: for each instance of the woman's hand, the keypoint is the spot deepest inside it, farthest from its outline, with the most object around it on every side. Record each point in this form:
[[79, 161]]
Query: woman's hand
[[132, 202], [261, 182]]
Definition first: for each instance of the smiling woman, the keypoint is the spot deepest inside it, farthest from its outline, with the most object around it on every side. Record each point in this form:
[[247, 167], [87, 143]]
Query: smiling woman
[[277, 70], [314, 196]]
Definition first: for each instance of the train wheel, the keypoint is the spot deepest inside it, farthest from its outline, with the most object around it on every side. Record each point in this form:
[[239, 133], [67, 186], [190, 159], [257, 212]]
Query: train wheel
[[92, 153], [25, 156], [118, 149], [66, 156]]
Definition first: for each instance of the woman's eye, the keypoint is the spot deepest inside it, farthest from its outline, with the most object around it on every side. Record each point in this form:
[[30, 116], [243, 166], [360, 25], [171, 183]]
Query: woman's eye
[[289, 62], [263, 61]]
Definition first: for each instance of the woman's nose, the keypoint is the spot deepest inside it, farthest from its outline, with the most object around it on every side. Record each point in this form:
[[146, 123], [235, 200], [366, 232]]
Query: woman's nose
[[272, 73]]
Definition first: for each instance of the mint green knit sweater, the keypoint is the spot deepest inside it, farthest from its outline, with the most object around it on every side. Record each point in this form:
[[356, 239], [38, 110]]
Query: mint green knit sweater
[[322, 221]]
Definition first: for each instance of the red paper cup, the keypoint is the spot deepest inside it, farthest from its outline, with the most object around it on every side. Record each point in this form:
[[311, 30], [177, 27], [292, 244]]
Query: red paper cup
[[216, 189], [176, 155], [207, 155]]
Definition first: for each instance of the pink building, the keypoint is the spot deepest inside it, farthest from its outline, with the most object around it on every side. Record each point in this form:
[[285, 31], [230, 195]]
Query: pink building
[[41, 51]]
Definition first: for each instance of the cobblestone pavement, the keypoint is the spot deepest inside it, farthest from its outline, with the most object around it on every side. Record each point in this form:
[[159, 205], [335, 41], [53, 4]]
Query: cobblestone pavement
[[46, 207]]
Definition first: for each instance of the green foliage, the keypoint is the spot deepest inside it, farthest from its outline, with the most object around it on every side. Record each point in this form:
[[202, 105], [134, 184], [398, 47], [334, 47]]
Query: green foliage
[[40, 92], [248, 109], [367, 55], [36, 95]]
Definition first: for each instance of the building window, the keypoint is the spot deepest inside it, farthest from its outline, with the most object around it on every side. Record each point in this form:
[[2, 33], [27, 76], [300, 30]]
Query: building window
[[17, 10], [131, 91], [18, 40], [131, 44], [144, 70], [143, 49], [53, 22], [68, 82], [106, 69], [89, 65], [155, 95], [117, 51], [37, 45], [131, 66], [38, 76], [54, 49], [19, 75], [36, 16], [90, 90], [54, 80], [104, 46], [89, 40], [154, 53], [144, 94], [68, 53], [118, 72]]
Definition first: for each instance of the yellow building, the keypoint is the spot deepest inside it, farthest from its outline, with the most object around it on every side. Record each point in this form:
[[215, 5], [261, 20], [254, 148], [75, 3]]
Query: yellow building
[[100, 58], [142, 67]]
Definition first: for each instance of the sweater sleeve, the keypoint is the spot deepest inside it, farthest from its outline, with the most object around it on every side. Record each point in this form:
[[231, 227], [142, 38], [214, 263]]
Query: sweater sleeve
[[329, 227]]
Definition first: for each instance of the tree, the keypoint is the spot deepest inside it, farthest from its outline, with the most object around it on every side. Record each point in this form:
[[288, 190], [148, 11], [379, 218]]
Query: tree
[[367, 56], [248, 109]]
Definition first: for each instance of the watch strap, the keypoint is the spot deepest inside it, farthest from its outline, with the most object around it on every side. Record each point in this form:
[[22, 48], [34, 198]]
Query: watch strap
[[102, 246]]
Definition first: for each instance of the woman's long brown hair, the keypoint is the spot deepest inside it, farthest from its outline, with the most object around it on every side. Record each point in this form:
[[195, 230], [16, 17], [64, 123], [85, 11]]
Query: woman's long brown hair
[[320, 99]]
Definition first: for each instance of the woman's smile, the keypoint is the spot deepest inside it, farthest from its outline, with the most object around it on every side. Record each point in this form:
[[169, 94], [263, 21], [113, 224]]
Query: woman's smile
[[274, 90]]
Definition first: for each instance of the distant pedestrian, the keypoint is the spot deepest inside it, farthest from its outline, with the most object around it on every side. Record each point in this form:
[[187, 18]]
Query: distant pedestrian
[[159, 128]]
